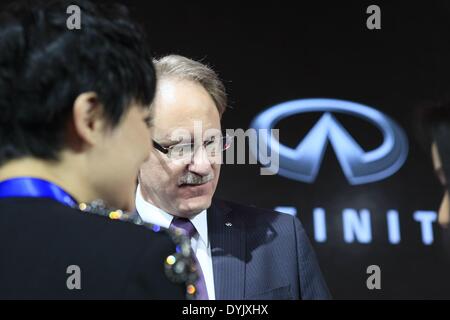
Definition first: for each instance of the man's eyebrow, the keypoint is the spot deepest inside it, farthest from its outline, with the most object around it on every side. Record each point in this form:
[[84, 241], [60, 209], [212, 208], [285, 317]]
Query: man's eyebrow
[[215, 135], [168, 141]]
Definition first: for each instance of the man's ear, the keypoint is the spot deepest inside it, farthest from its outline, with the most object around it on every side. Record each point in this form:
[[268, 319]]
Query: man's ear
[[88, 118]]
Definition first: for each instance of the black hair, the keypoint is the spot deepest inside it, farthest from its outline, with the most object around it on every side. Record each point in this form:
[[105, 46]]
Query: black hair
[[433, 124], [45, 66], [430, 119]]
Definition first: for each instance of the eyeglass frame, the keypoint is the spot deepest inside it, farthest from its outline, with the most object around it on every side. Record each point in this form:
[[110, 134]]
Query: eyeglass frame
[[166, 150]]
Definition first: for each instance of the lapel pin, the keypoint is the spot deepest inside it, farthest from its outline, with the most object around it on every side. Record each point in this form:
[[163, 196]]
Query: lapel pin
[[228, 224]]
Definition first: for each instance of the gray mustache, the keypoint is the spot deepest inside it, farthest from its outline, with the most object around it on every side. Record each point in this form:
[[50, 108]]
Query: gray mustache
[[195, 179]]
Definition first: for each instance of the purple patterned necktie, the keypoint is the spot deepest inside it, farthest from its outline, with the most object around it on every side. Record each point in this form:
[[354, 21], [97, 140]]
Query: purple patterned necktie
[[188, 228]]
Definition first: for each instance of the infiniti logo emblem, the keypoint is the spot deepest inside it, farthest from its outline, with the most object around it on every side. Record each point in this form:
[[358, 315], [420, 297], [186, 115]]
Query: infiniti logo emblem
[[303, 162]]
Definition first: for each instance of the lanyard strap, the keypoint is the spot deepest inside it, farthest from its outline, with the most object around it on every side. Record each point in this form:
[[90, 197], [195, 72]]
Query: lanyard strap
[[27, 187]]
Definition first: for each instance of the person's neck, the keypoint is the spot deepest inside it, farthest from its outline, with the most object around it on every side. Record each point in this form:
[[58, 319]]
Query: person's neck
[[56, 172], [147, 198]]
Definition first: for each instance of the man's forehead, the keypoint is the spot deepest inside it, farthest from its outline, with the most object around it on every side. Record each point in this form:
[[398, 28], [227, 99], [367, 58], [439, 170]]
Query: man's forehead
[[183, 132], [183, 107], [178, 100], [184, 115]]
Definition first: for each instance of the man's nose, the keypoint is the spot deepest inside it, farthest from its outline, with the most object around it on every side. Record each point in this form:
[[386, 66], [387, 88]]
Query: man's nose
[[200, 162]]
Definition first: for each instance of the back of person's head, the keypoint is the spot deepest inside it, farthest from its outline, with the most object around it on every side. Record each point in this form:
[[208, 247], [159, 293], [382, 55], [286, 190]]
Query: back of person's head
[[45, 66]]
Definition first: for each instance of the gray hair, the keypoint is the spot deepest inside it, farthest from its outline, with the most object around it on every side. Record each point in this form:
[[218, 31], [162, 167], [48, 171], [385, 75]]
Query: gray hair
[[187, 69]]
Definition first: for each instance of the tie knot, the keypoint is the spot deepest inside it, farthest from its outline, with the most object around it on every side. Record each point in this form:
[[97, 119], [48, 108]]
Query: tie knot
[[185, 225]]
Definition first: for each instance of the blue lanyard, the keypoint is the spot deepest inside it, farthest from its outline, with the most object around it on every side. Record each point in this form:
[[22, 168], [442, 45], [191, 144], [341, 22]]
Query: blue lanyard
[[27, 187]]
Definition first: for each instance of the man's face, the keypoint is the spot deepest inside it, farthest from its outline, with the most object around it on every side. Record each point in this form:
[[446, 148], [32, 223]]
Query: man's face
[[444, 210], [182, 187]]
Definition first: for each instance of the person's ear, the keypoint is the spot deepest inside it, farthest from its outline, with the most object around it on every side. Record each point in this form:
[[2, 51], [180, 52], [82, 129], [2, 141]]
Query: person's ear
[[88, 118]]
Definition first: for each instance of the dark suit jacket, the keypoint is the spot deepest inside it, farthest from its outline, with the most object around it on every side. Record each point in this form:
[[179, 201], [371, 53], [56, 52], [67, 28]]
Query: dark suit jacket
[[261, 254], [40, 238]]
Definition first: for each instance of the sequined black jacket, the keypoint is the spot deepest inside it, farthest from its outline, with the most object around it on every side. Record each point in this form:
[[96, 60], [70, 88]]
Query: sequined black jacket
[[50, 251]]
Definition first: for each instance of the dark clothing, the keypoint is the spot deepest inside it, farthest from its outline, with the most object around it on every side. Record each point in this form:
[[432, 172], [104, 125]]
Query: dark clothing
[[40, 238], [261, 254]]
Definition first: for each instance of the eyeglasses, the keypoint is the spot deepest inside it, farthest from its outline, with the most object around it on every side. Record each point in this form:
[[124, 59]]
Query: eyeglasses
[[213, 147]]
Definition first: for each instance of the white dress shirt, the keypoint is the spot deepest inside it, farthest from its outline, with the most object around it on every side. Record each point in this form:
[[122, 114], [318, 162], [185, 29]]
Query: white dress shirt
[[200, 242]]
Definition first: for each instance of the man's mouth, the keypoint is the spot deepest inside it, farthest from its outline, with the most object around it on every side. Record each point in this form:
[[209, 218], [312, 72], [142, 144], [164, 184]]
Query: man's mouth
[[192, 180], [192, 184], [188, 190]]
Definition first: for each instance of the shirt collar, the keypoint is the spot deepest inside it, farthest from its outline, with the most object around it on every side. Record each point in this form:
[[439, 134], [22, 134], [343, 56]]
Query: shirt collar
[[154, 215]]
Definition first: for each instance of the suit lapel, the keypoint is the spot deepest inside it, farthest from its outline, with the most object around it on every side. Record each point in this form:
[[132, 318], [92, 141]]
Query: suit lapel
[[227, 235]]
